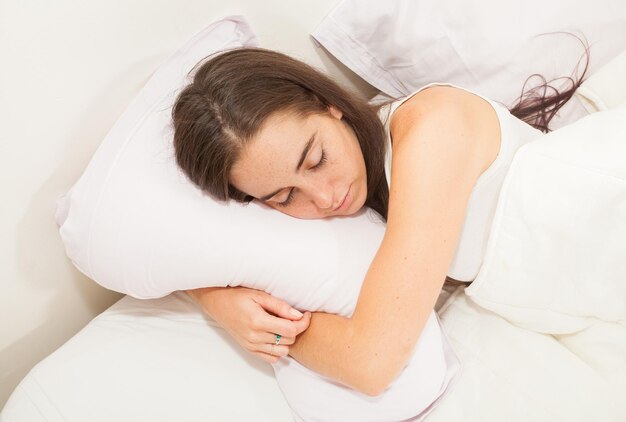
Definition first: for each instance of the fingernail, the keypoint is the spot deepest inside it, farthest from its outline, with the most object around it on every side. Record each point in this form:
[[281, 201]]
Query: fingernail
[[295, 312]]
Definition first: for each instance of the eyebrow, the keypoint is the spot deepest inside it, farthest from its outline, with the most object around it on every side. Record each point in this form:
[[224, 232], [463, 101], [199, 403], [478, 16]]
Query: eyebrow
[[305, 152]]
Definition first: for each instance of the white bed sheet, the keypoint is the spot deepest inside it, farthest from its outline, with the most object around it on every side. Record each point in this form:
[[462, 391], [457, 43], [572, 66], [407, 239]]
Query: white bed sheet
[[163, 360], [517, 375], [156, 360]]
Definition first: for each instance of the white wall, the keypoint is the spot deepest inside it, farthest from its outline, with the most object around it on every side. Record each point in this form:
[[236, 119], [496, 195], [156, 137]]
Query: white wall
[[67, 71]]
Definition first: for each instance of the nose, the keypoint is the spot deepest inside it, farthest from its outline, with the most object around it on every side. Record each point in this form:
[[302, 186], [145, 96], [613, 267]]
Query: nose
[[321, 195]]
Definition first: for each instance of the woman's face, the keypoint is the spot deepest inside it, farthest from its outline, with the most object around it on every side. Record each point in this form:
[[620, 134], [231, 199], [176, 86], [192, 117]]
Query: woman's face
[[306, 167]]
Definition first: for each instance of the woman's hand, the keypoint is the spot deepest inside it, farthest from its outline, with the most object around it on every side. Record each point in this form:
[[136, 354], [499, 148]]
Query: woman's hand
[[254, 318]]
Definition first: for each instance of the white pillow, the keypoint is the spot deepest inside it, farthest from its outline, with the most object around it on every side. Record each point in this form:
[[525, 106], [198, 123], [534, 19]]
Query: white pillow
[[135, 224], [488, 46]]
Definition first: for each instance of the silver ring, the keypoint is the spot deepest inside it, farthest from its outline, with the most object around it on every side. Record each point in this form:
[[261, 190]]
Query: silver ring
[[278, 337]]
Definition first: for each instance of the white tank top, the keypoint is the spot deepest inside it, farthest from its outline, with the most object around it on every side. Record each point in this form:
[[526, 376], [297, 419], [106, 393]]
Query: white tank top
[[482, 203]]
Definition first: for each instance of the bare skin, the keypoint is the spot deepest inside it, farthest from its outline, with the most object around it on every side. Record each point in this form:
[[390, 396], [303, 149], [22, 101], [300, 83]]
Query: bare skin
[[443, 140]]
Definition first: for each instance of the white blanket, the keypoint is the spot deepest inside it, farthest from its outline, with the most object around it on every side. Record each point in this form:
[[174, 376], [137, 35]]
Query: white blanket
[[542, 336], [556, 258]]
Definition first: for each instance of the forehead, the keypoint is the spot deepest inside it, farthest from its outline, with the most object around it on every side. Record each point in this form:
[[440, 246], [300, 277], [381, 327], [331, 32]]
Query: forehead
[[270, 157], [280, 132]]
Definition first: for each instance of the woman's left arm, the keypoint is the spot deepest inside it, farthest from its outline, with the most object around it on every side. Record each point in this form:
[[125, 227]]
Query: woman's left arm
[[443, 139]]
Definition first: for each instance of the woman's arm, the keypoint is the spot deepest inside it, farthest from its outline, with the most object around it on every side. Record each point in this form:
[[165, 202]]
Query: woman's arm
[[443, 139]]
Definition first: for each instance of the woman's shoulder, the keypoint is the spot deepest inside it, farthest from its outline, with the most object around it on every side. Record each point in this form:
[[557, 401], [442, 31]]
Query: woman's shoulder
[[440, 110], [439, 102], [442, 104]]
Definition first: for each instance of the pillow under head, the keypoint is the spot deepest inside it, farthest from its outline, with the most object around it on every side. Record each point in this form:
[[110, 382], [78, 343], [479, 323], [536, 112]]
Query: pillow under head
[[135, 224]]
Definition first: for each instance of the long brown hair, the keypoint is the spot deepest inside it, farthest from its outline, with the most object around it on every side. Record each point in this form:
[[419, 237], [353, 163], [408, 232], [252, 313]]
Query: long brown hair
[[233, 93]]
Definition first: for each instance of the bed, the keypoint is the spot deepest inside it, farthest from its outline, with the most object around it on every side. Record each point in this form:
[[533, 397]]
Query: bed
[[538, 339]]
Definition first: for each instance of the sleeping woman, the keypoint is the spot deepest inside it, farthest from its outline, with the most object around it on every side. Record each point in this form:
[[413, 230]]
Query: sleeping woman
[[256, 125]]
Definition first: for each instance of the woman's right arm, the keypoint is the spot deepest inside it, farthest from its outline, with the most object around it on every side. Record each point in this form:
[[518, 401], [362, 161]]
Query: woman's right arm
[[253, 318], [444, 138]]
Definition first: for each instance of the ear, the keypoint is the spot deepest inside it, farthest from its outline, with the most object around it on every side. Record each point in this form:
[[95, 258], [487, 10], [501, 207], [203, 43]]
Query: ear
[[335, 112]]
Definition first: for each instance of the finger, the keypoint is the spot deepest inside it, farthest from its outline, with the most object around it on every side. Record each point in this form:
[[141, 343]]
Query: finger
[[287, 341], [267, 348], [271, 338], [302, 324], [275, 325], [278, 307], [272, 349]]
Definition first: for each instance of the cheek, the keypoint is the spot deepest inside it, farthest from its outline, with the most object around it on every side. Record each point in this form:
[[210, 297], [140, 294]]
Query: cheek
[[352, 159], [302, 211], [295, 210]]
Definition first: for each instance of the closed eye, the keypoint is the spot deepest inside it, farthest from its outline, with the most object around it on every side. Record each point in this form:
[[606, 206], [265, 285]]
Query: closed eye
[[286, 201], [321, 162]]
